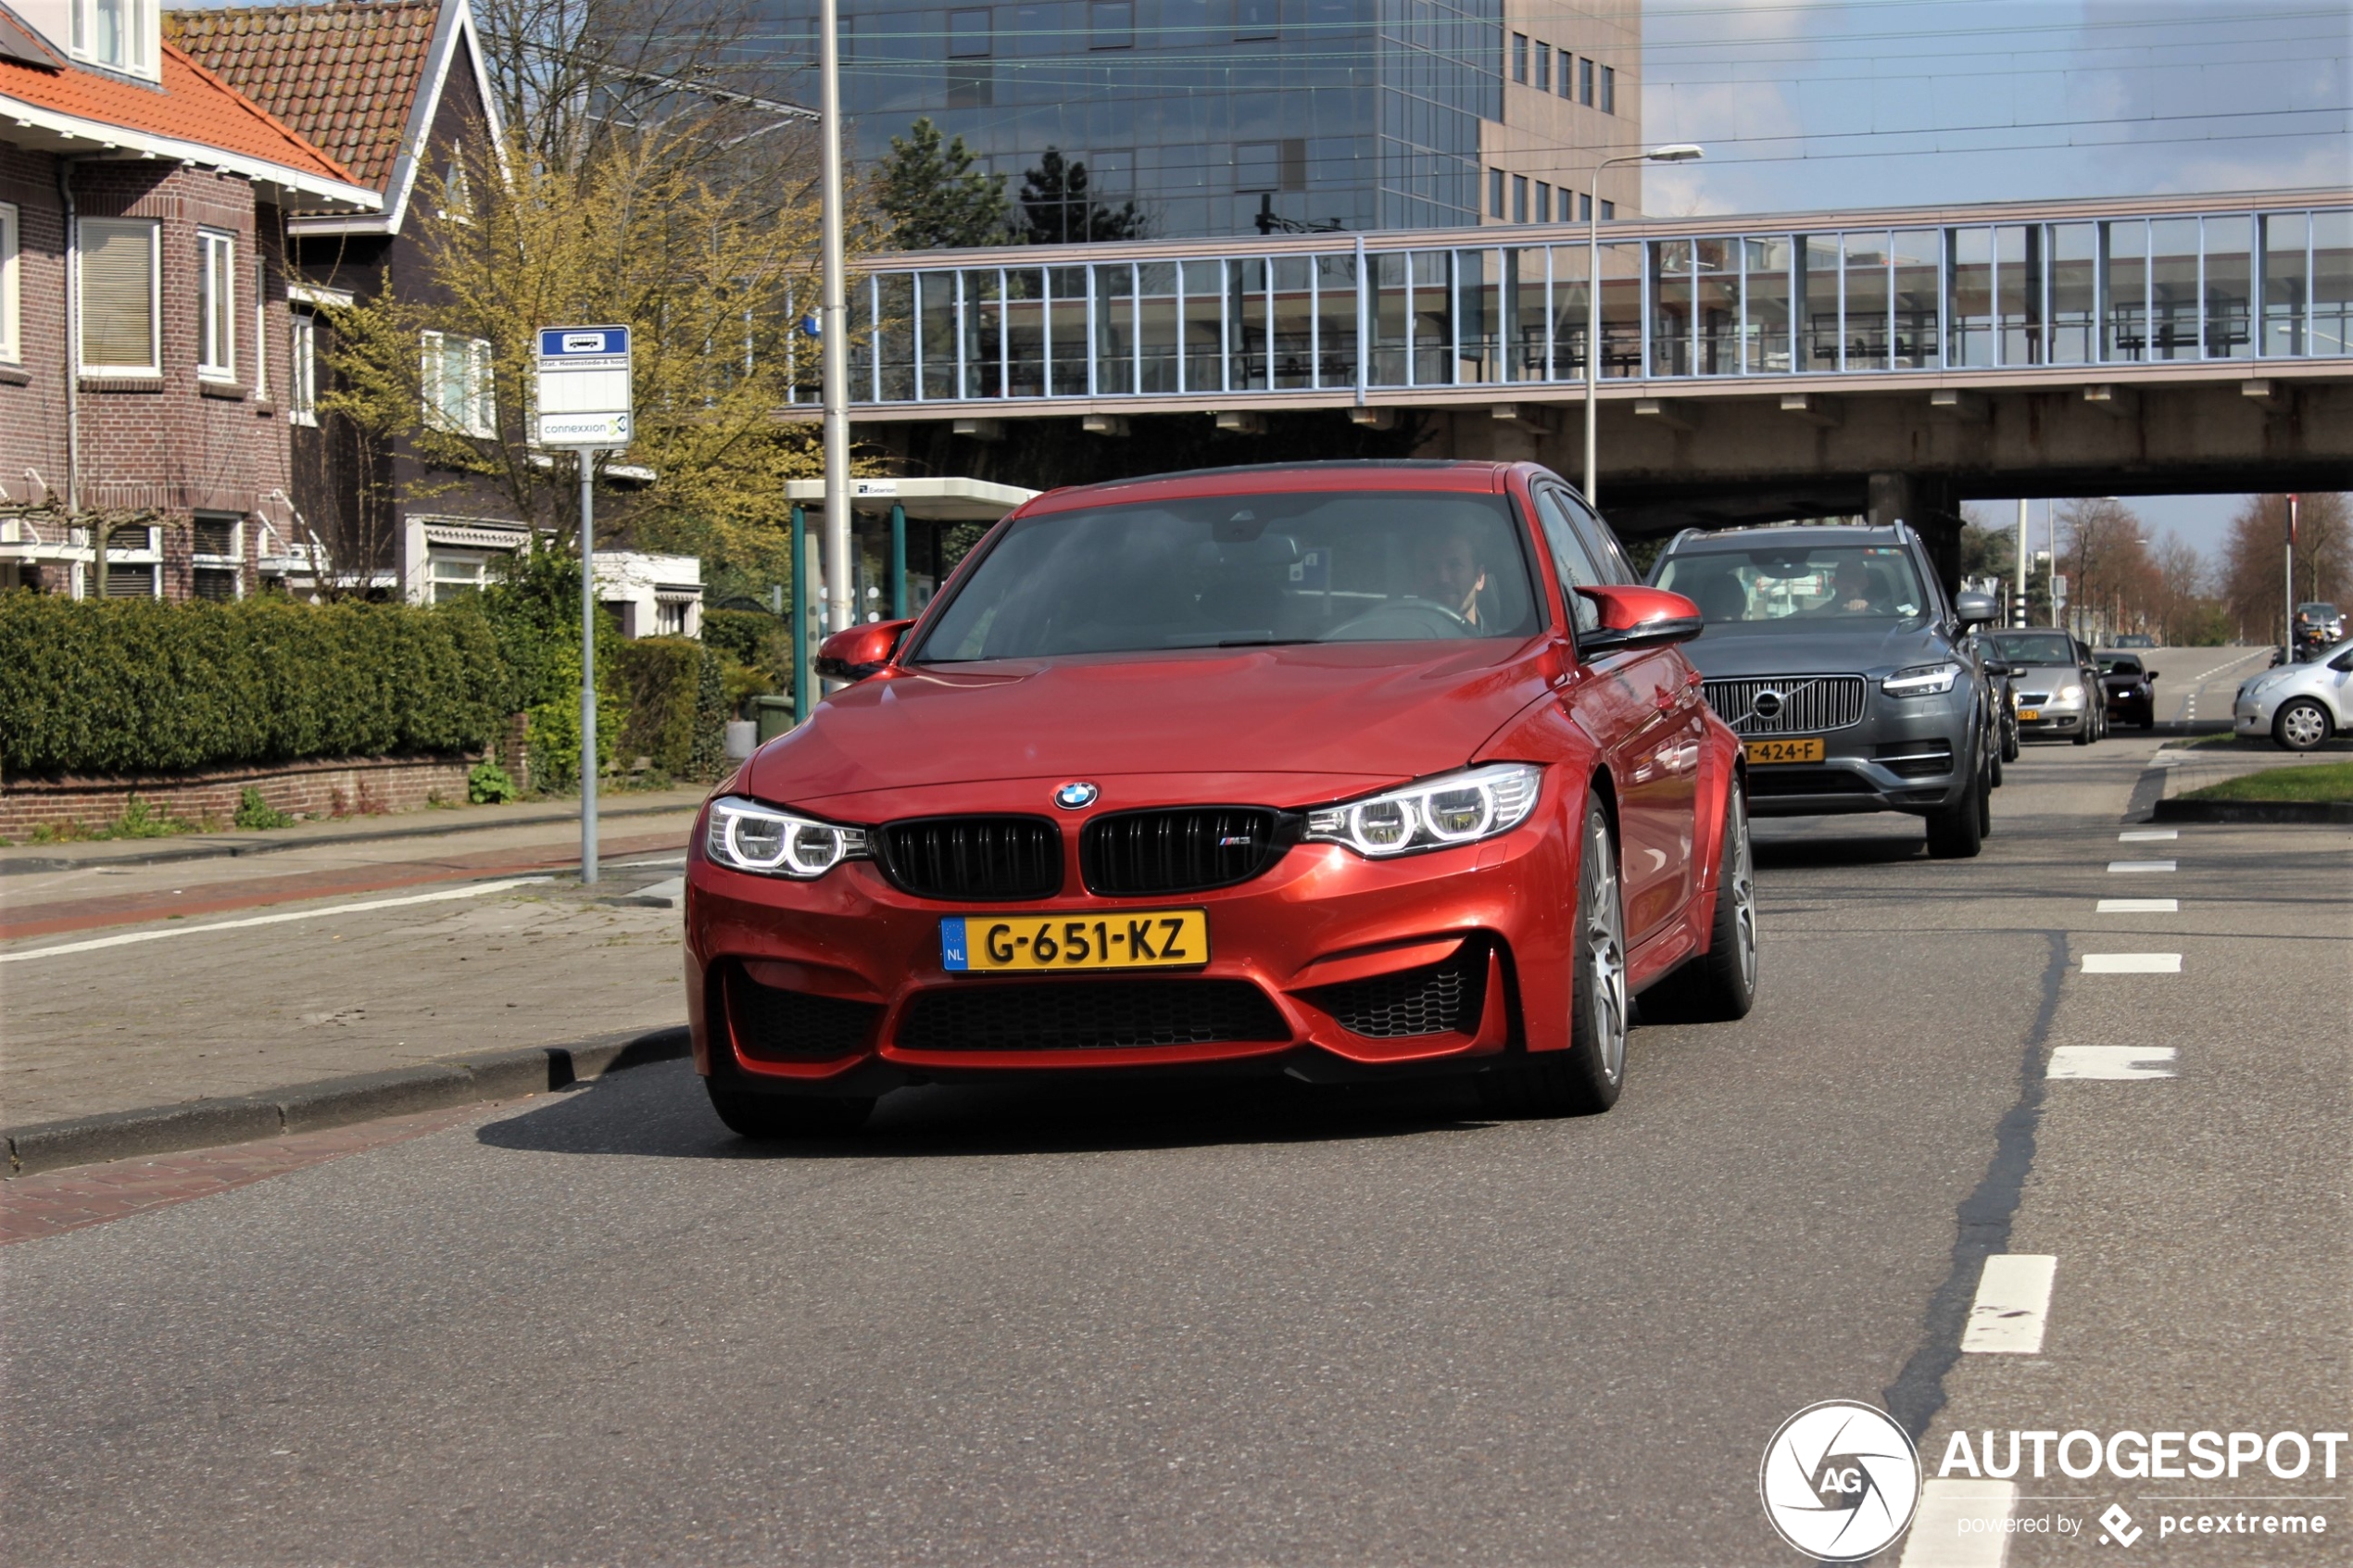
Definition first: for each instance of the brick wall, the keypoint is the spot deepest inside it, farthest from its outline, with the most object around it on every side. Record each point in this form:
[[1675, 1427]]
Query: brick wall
[[336, 787], [32, 419]]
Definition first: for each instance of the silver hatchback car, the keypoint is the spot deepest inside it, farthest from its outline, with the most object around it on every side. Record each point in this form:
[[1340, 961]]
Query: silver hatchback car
[[2299, 704]]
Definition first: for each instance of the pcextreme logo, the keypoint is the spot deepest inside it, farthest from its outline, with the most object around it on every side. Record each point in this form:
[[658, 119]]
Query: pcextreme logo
[[1840, 1481]]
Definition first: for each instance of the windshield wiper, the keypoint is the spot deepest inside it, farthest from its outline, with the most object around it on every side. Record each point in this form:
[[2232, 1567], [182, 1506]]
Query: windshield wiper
[[1269, 641]]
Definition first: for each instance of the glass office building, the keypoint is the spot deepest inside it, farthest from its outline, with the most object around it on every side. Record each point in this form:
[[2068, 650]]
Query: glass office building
[[1219, 116]]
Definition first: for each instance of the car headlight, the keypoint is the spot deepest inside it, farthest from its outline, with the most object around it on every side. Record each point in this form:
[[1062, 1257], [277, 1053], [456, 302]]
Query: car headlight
[[748, 837], [2068, 697], [1922, 680], [1433, 814]]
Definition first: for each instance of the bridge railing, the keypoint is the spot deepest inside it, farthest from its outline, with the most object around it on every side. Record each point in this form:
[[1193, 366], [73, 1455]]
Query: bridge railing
[[1382, 314]]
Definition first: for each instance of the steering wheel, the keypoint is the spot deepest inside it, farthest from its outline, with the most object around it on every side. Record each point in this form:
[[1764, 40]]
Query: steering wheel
[[1406, 619]]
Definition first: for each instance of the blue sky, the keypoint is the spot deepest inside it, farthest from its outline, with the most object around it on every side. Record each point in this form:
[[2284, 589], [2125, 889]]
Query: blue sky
[[1811, 104]]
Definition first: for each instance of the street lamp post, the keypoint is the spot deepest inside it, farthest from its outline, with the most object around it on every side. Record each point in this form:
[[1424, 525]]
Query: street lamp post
[[1679, 151], [834, 334]]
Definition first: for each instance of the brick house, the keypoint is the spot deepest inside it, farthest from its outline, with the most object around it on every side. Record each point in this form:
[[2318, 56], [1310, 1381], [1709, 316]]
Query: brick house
[[395, 91], [145, 365]]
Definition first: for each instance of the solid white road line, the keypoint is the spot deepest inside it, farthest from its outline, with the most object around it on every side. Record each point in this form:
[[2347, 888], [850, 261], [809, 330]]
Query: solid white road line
[[1961, 1524], [2147, 836], [2126, 868], [2139, 907], [2111, 1062], [2132, 963], [473, 890], [2013, 1301]]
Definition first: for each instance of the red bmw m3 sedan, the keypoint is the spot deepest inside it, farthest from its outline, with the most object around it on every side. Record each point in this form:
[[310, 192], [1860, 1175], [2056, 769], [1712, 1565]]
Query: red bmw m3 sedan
[[1334, 769]]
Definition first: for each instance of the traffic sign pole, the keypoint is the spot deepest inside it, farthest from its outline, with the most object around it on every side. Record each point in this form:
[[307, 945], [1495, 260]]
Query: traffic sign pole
[[588, 664]]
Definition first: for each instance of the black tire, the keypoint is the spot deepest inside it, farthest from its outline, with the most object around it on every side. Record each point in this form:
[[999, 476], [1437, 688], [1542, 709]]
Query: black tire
[[2300, 725], [1720, 984], [2148, 720], [2090, 732], [766, 1118], [1957, 831], [1585, 1078], [2009, 742]]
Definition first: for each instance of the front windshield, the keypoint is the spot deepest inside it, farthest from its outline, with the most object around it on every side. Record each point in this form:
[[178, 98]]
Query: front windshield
[[1795, 586], [2033, 648], [1243, 570]]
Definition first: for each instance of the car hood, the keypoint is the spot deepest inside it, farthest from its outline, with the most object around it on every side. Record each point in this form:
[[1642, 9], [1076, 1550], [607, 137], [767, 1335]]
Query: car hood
[[1357, 715], [1726, 649]]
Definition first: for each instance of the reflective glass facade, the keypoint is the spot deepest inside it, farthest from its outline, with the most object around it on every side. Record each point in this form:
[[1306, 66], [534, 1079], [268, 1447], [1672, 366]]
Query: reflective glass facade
[[1088, 321]]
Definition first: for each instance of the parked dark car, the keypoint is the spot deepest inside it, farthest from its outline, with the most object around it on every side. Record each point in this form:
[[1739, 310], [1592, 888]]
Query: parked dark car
[[2131, 687], [1850, 678], [2002, 701]]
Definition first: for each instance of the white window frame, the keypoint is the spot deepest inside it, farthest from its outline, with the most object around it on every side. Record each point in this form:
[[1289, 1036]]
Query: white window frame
[[235, 561], [11, 302], [302, 369], [154, 365], [216, 305], [142, 31], [260, 326], [437, 557], [476, 414], [147, 558]]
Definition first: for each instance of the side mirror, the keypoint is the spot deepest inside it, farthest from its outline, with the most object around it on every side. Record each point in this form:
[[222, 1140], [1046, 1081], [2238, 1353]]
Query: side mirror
[[1975, 609], [856, 652], [1638, 618]]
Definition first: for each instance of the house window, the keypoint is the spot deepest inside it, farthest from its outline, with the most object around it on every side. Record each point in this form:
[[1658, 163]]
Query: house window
[[11, 334], [1543, 202], [1585, 82], [971, 80], [458, 385], [1543, 67], [1494, 193], [119, 304], [1520, 198], [119, 34], [1258, 19], [219, 557], [1520, 57], [457, 196], [216, 305], [456, 574], [1111, 24], [135, 563], [1609, 90], [302, 369]]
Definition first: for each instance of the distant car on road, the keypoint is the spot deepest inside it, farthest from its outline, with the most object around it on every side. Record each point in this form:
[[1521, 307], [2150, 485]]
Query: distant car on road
[[2057, 683], [1834, 655], [2135, 640], [2130, 688], [2299, 704]]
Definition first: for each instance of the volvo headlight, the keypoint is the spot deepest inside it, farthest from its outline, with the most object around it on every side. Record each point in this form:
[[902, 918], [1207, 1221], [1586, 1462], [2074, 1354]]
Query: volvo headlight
[[748, 837], [1433, 814], [1922, 680]]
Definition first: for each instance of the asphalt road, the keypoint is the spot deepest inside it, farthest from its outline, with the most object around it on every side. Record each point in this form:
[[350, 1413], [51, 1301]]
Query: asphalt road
[[1145, 1326]]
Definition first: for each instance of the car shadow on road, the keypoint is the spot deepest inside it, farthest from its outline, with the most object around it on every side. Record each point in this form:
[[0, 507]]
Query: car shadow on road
[[661, 1111]]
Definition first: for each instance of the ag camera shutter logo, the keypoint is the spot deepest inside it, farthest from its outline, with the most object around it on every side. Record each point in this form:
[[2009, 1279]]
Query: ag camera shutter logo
[[1840, 1481]]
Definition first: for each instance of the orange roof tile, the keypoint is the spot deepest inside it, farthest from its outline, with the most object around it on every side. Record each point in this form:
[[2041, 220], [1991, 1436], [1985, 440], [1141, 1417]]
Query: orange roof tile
[[195, 105], [344, 74]]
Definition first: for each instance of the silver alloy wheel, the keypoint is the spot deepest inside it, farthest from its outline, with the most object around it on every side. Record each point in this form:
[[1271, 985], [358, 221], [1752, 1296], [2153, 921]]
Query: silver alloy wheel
[[1742, 891], [1604, 944], [2303, 725]]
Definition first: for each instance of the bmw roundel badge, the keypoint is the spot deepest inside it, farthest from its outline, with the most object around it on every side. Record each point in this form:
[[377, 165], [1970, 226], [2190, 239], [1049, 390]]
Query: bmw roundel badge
[[1076, 796]]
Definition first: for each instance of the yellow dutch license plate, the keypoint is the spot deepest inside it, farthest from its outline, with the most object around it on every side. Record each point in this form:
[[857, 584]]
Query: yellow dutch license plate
[[1807, 750], [2028, 715], [1065, 944]]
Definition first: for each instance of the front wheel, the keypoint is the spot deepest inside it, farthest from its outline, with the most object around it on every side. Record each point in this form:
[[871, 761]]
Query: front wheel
[[1720, 984], [2300, 725], [1587, 1076], [1957, 831], [2009, 742]]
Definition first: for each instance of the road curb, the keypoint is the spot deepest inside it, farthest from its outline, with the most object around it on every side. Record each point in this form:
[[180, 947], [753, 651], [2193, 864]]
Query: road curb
[[2257, 811], [332, 1102]]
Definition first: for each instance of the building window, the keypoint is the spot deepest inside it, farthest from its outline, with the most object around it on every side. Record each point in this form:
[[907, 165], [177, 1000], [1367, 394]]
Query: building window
[[1111, 24], [1609, 90], [1585, 82], [11, 334], [1609, 211], [458, 385], [456, 575], [1520, 58], [1543, 67], [457, 196], [1258, 19], [135, 563], [1520, 198], [216, 305], [119, 34], [1543, 202], [1258, 165], [260, 328], [119, 304], [1585, 208], [1494, 193], [302, 369], [971, 80], [219, 557]]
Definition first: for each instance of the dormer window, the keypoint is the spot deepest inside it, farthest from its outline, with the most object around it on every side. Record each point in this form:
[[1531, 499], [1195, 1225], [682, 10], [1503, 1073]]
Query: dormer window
[[124, 35]]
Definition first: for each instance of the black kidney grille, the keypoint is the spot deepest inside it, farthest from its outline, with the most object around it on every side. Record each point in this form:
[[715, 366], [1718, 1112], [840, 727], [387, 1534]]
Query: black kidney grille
[[1180, 849], [1445, 997], [775, 1025], [1089, 1015], [973, 857]]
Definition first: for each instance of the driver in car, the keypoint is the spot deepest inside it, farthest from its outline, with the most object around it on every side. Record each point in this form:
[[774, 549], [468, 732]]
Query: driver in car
[[1853, 593], [1446, 571]]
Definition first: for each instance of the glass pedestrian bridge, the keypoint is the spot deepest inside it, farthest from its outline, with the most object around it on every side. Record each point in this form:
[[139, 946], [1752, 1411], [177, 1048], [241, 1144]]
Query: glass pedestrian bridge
[[1993, 295]]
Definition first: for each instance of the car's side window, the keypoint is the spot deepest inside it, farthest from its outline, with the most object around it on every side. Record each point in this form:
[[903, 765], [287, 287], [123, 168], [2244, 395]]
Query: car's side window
[[1571, 558], [1601, 541]]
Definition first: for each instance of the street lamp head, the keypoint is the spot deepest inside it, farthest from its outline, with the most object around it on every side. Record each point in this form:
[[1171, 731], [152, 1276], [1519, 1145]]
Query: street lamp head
[[1677, 152]]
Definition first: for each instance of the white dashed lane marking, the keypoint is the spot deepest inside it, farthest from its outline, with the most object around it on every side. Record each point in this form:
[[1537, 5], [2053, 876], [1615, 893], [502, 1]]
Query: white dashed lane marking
[[2013, 1303], [2111, 1062], [2139, 907], [1961, 1524], [2128, 867], [2132, 963], [2147, 836]]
